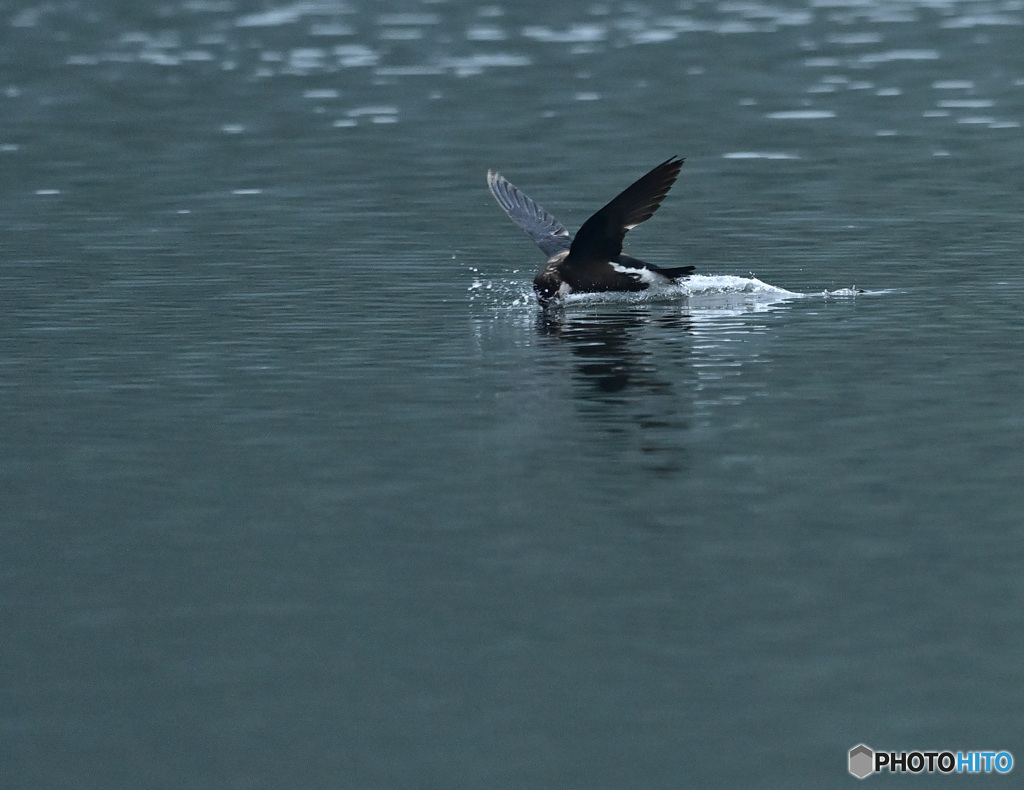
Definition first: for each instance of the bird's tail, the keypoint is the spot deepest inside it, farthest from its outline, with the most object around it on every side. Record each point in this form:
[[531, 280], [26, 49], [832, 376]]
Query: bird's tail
[[673, 273], [676, 272]]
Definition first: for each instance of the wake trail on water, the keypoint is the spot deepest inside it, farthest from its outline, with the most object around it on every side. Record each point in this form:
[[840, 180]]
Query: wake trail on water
[[699, 291]]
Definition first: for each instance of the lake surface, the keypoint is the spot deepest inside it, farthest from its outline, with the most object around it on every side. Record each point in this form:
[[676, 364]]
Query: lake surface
[[299, 487]]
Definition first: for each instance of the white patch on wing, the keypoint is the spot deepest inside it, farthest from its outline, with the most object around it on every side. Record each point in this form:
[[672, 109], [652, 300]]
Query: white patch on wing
[[643, 275], [564, 290]]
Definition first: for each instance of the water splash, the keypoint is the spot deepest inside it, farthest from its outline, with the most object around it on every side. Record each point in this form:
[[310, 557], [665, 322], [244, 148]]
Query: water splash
[[702, 293]]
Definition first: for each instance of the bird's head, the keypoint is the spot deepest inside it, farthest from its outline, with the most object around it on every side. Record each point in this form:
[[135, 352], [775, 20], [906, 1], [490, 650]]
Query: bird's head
[[547, 285]]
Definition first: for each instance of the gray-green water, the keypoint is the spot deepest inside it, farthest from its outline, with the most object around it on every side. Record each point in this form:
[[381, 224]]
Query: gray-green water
[[299, 487]]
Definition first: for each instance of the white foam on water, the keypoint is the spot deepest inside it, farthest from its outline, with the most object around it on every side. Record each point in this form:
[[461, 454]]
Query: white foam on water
[[953, 85], [576, 34], [358, 51], [158, 57], [273, 18], [704, 284], [899, 54], [321, 93], [854, 39], [408, 71], [475, 64], [401, 34], [485, 33], [330, 29], [408, 19], [373, 109], [759, 155], [823, 63], [981, 20], [801, 115], [653, 36], [976, 104]]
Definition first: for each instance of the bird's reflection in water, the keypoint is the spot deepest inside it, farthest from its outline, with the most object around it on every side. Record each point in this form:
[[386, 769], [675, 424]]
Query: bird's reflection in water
[[627, 367]]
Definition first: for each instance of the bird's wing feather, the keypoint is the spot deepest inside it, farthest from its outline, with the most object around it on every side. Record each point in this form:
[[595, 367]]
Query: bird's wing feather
[[601, 236], [548, 233]]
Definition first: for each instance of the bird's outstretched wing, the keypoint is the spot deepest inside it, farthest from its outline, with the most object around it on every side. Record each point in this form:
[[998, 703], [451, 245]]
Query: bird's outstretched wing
[[548, 233], [600, 238]]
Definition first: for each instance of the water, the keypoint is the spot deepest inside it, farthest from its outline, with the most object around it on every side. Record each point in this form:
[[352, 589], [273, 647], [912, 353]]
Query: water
[[300, 487]]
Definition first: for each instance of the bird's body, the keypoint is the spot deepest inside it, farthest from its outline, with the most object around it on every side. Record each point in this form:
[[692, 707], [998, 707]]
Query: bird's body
[[593, 260]]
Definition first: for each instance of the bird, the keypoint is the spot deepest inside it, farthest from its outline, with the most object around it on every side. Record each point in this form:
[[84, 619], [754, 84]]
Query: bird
[[593, 260]]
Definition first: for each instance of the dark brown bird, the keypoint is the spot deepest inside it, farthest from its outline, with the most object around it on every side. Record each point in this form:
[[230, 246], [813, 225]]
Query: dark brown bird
[[593, 260]]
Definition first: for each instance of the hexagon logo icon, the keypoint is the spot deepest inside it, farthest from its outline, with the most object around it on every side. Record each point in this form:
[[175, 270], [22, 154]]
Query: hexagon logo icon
[[862, 761]]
